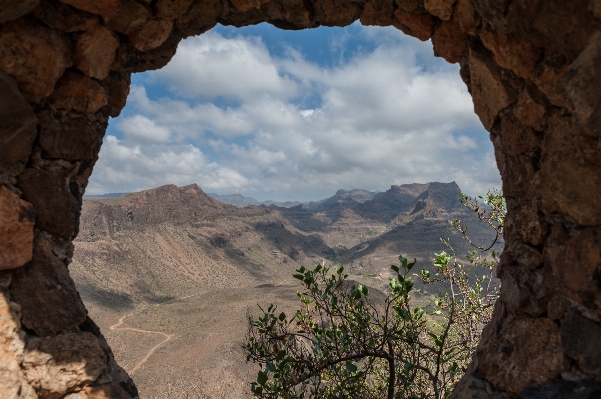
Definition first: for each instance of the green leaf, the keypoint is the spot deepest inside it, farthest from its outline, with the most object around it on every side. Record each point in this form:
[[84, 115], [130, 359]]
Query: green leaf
[[262, 378], [395, 268], [350, 367], [298, 276], [270, 367], [282, 316], [280, 355]]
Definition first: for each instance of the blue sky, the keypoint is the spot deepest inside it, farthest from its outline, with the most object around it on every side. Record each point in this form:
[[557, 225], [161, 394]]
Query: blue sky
[[296, 115]]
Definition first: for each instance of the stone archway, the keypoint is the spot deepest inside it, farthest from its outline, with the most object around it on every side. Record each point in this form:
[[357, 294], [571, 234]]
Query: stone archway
[[533, 69]]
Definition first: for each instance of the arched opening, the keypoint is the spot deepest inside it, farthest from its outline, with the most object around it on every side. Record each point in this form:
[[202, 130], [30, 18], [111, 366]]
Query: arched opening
[[531, 69]]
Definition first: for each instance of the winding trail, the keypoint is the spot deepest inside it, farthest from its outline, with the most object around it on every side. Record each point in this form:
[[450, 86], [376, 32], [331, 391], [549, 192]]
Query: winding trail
[[117, 327]]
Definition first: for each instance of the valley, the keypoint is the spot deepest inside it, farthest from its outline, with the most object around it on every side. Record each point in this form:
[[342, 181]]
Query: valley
[[169, 274]]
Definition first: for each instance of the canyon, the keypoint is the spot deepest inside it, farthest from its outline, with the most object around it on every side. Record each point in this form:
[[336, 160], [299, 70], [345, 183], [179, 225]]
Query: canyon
[[169, 274], [532, 68]]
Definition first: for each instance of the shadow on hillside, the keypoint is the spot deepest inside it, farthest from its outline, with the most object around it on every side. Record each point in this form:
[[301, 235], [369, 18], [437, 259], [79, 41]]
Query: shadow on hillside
[[106, 298]]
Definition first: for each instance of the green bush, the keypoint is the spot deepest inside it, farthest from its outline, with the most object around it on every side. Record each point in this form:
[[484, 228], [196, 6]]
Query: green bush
[[342, 343]]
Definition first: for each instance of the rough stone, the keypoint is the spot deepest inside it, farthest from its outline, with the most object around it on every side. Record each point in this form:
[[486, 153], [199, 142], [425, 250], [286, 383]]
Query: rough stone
[[35, 56], [11, 346], [489, 91], [332, 13], [131, 15], [54, 306], [95, 52], [151, 35], [443, 9], [172, 9], [449, 41], [62, 137], [18, 128], [418, 25], [525, 353], [570, 173], [117, 90], [17, 219], [200, 17], [576, 265], [583, 87], [106, 391], [57, 210], [529, 112], [527, 225], [247, 5], [100, 7], [559, 389], [63, 17], [548, 78], [13, 9], [377, 12], [515, 137], [517, 55], [580, 340], [294, 12], [62, 364], [466, 16], [409, 5], [79, 93]]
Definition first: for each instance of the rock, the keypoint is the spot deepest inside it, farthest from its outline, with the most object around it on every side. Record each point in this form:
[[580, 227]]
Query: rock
[[559, 389], [443, 9], [576, 265], [131, 15], [200, 17], [580, 340], [548, 78], [63, 17], [525, 353], [409, 5], [35, 56], [529, 112], [100, 7], [95, 52], [583, 87], [54, 306], [449, 41], [117, 91], [106, 391], [11, 345], [517, 55], [516, 138], [17, 219], [333, 13], [466, 16], [18, 124], [293, 12], [570, 171], [377, 12], [13, 9], [151, 35], [60, 136], [489, 91], [57, 210], [79, 93], [247, 5], [172, 9], [62, 364], [419, 25]]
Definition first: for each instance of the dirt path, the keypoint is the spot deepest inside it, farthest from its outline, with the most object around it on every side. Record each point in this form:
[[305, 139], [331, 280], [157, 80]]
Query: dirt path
[[117, 327]]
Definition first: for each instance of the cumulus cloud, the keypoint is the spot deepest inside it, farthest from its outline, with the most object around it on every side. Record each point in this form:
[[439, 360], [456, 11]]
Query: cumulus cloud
[[380, 117]]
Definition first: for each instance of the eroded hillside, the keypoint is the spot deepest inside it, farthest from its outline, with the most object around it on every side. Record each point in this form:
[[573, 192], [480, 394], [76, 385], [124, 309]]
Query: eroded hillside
[[170, 273]]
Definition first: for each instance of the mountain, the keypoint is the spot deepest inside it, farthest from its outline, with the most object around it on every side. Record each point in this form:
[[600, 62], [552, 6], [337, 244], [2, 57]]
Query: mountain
[[241, 201], [175, 262]]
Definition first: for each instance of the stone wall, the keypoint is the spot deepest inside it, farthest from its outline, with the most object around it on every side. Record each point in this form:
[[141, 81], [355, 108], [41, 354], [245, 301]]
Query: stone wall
[[533, 68]]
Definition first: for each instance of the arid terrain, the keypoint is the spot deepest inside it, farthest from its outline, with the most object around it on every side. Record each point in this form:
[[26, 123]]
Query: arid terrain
[[169, 274]]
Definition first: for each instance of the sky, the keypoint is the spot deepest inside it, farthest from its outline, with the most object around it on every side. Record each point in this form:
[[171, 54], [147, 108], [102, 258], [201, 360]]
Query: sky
[[297, 115]]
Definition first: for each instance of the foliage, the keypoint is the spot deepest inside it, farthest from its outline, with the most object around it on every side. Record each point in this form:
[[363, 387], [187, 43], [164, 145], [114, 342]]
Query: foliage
[[345, 343]]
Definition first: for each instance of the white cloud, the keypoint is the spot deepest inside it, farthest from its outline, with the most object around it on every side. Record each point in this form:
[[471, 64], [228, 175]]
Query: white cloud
[[211, 66], [381, 117]]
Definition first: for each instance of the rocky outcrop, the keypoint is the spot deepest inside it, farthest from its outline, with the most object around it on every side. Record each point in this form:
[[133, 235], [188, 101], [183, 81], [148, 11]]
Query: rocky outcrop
[[532, 67]]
